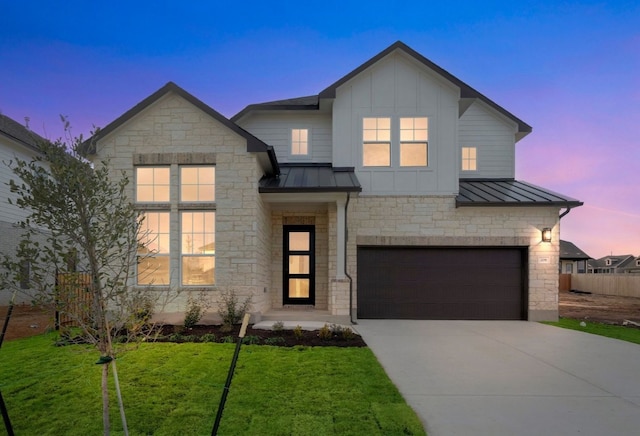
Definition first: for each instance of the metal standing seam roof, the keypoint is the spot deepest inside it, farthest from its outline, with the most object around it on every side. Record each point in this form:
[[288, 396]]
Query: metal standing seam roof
[[311, 178], [509, 192]]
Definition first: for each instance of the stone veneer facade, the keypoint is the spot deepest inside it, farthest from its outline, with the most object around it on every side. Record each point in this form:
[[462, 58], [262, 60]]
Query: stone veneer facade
[[249, 230], [435, 221]]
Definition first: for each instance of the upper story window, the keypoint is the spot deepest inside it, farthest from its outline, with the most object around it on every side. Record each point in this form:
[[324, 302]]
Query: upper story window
[[299, 142], [608, 262], [376, 137], [197, 183], [469, 159], [152, 184], [414, 137]]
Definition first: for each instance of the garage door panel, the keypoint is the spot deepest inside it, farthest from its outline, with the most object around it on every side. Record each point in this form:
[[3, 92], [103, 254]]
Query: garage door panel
[[440, 283]]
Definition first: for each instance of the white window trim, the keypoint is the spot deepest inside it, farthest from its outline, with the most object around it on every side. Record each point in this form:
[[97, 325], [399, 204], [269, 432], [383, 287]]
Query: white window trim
[[294, 156], [395, 144], [462, 159]]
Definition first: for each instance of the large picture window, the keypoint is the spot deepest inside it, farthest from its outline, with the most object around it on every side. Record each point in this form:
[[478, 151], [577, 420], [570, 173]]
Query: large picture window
[[376, 137], [153, 249], [169, 216], [198, 248]]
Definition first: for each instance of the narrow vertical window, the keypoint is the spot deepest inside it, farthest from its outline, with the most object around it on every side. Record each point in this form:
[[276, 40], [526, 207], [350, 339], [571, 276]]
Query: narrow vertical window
[[376, 142], [197, 183], [299, 142], [198, 248], [469, 159], [152, 184], [153, 249], [414, 137]]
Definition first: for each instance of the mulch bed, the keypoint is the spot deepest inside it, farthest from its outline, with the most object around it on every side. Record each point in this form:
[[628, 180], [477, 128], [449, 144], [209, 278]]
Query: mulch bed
[[284, 338]]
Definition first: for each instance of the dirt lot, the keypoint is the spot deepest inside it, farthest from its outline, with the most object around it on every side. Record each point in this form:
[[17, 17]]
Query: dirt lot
[[603, 308], [28, 321]]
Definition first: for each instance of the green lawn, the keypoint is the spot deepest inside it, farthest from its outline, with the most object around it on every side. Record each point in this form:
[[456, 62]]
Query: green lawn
[[174, 389], [628, 334]]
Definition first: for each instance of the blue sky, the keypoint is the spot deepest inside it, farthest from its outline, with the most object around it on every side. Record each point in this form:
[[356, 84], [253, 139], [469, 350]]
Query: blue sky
[[569, 69]]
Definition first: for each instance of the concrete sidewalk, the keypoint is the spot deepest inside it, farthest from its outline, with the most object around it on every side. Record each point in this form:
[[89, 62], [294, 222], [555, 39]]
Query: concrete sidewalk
[[509, 377]]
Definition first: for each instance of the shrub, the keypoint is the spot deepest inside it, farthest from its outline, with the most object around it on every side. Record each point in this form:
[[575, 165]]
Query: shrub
[[230, 309], [277, 326], [228, 340], [325, 333], [251, 340], [176, 337], [276, 340], [196, 307], [348, 334], [297, 332], [336, 329], [208, 337]]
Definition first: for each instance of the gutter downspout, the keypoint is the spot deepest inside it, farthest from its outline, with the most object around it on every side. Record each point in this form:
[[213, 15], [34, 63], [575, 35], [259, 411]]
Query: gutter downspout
[[564, 213], [346, 273]]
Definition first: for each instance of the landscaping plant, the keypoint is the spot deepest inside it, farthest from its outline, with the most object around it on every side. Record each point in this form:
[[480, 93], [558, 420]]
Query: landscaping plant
[[79, 219]]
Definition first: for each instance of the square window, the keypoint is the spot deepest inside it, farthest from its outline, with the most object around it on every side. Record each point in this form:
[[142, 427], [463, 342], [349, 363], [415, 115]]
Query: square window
[[376, 154], [197, 183], [299, 142], [413, 154], [152, 184]]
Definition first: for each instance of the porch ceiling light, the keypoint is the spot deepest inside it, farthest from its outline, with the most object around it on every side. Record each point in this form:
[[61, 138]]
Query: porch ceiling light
[[546, 234]]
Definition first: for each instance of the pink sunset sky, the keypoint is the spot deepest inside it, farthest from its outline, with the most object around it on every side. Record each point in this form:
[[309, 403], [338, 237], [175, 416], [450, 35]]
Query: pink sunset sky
[[569, 69]]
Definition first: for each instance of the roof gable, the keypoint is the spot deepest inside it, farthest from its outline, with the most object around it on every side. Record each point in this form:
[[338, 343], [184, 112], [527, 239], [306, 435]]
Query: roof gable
[[253, 144], [466, 92]]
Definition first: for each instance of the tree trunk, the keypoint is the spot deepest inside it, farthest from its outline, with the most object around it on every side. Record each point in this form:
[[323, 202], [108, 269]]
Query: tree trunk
[[105, 399]]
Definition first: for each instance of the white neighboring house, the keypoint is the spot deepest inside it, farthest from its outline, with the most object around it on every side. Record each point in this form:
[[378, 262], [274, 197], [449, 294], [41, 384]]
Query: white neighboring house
[[389, 194], [15, 141]]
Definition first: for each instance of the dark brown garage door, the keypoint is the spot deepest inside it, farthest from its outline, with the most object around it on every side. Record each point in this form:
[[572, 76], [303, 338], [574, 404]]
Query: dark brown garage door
[[441, 283]]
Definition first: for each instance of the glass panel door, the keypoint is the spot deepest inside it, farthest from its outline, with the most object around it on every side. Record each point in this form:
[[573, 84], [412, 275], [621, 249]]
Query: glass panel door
[[299, 265]]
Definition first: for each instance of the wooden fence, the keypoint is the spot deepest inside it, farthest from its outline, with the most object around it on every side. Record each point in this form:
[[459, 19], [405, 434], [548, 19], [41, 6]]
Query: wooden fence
[[622, 285], [74, 299]]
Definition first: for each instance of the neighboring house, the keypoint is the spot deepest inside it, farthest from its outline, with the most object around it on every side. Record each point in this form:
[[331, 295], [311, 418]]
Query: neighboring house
[[614, 264], [389, 194], [16, 141], [572, 259], [633, 267]]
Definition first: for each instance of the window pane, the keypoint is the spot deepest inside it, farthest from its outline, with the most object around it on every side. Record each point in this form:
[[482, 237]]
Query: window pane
[[413, 154], [299, 141], [154, 233], [152, 184], [376, 155], [414, 129], [299, 288], [299, 241], [198, 270], [197, 237], [469, 161], [298, 264], [197, 183], [154, 271]]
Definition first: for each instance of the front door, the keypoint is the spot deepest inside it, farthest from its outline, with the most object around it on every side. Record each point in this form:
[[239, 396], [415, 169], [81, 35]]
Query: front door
[[299, 264]]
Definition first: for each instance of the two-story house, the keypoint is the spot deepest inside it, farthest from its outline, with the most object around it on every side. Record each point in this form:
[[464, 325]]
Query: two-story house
[[16, 142], [389, 194]]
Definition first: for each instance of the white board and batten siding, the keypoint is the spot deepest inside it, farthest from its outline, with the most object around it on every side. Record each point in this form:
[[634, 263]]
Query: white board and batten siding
[[399, 86], [275, 130], [494, 139]]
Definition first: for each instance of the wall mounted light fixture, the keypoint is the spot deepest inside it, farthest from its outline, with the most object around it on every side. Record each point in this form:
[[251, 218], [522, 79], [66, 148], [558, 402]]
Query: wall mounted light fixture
[[546, 234]]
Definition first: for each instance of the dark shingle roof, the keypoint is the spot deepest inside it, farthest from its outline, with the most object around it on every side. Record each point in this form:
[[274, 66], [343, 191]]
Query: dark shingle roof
[[569, 251], [311, 178], [18, 132], [509, 192]]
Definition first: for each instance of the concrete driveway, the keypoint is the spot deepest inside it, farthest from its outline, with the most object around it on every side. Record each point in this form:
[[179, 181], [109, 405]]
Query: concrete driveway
[[509, 377]]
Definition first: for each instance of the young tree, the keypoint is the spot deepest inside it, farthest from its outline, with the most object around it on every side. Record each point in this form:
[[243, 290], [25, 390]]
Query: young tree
[[84, 216]]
